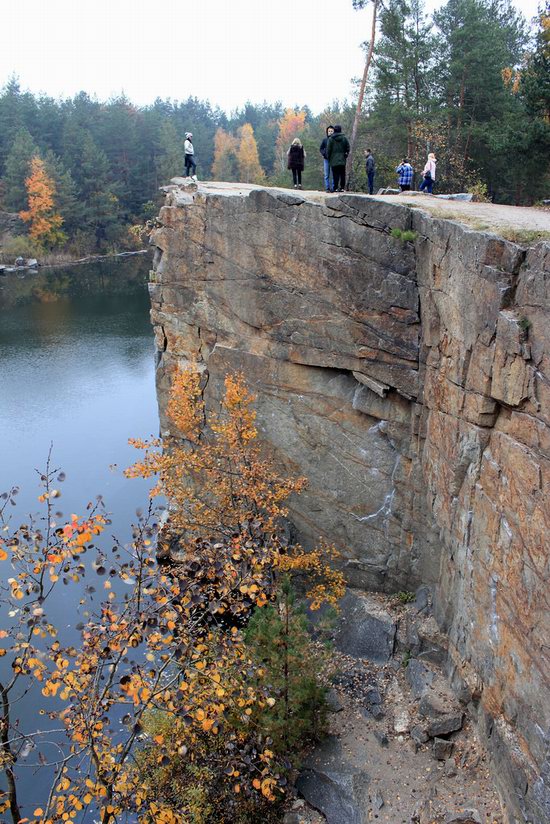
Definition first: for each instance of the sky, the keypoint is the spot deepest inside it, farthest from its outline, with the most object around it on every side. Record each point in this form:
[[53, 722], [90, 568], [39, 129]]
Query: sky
[[227, 51]]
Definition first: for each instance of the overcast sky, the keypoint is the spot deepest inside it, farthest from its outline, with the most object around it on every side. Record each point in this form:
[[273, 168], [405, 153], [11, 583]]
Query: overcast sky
[[226, 51]]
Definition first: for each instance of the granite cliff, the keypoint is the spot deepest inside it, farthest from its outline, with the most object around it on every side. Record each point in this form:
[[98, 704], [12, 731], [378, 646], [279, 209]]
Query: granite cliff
[[410, 382]]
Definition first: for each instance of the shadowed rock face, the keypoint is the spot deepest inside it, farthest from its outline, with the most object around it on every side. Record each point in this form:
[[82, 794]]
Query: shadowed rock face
[[411, 385]]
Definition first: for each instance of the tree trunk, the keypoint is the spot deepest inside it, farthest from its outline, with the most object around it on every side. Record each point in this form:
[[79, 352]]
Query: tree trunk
[[353, 138]]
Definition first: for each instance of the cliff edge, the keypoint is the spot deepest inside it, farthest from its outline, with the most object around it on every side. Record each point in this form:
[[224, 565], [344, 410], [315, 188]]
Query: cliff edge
[[409, 380]]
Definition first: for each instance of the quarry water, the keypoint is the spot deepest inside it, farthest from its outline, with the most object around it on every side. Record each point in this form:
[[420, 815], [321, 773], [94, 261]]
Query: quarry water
[[76, 374]]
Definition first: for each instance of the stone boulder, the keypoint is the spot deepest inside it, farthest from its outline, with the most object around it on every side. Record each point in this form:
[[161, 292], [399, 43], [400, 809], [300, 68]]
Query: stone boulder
[[333, 786], [366, 629]]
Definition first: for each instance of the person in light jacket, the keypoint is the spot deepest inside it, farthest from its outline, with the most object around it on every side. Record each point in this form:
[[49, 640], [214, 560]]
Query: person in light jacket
[[329, 187], [428, 175], [190, 164], [296, 157]]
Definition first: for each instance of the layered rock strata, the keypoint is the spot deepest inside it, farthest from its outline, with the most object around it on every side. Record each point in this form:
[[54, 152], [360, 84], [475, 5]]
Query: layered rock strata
[[410, 382]]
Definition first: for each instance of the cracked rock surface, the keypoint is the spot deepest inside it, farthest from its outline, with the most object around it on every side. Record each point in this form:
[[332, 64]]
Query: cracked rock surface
[[410, 382]]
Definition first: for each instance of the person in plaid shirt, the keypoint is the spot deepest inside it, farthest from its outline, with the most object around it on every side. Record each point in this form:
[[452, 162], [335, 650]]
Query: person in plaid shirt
[[404, 175]]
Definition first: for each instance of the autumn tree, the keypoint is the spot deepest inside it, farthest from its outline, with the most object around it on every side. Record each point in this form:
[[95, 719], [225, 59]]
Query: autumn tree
[[250, 170], [291, 125], [45, 222], [166, 710], [226, 162]]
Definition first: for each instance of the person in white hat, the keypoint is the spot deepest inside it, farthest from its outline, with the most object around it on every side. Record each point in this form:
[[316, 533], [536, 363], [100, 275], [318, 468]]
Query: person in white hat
[[190, 163]]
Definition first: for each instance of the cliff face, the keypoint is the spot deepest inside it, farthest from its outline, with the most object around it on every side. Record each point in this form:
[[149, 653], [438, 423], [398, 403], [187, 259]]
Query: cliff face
[[410, 382]]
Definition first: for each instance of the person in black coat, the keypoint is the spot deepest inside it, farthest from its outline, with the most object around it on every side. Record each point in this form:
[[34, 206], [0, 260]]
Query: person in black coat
[[370, 169], [337, 153], [296, 157], [329, 187]]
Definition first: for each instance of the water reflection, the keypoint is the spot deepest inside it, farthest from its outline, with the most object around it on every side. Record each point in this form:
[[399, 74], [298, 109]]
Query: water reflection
[[76, 371]]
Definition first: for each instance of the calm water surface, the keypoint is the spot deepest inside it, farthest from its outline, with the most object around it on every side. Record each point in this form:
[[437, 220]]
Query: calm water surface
[[76, 372]]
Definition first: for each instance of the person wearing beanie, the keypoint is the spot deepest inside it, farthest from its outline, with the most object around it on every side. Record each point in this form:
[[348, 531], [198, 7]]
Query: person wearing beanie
[[337, 154], [329, 186], [428, 175], [190, 164]]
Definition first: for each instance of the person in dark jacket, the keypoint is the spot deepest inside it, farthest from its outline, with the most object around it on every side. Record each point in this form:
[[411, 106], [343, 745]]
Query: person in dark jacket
[[369, 166], [296, 161], [329, 187], [337, 153]]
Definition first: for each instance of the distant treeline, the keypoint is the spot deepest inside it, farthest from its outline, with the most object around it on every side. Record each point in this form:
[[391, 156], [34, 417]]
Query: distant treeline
[[472, 84]]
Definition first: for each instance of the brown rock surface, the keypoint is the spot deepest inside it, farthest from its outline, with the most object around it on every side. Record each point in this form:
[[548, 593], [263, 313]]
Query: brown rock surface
[[411, 384]]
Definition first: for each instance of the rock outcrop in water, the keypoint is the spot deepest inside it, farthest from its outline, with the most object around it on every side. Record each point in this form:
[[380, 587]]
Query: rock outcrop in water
[[410, 382]]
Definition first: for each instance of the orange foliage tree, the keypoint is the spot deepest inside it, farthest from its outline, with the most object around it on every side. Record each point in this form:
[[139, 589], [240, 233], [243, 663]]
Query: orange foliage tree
[[250, 170], [161, 698], [45, 222], [225, 165], [291, 125]]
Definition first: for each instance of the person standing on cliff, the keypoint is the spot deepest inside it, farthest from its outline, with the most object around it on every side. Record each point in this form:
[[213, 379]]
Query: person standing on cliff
[[370, 169], [428, 175], [329, 187], [404, 175], [190, 163], [337, 154], [296, 158]]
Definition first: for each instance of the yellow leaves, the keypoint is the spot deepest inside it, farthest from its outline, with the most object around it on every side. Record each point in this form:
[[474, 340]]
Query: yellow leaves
[[39, 811], [45, 223], [250, 170], [267, 787], [3, 554]]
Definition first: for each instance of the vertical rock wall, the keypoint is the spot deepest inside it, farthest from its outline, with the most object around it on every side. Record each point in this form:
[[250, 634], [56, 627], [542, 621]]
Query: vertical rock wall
[[410, 384]]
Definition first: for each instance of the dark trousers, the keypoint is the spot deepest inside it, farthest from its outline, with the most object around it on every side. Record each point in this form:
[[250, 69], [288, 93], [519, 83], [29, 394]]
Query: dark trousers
[[190, 164], [428, 184], [370, 176], [405, 187], [339, 176], [297, 176]]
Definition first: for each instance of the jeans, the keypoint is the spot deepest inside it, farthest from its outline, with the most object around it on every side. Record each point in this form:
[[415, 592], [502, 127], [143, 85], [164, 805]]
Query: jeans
[[297, 176], [190, 164], [328, 186], [370, 176], [339, 176], [428, 184]]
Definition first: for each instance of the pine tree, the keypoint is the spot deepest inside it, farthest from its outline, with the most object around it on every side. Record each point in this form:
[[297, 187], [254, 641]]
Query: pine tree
[[66, 199], [250, 170], [169, 161], [18, 163], [98, 196]]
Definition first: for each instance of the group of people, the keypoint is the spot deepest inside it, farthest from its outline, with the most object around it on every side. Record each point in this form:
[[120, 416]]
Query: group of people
[[405, 174], [334, 150]]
